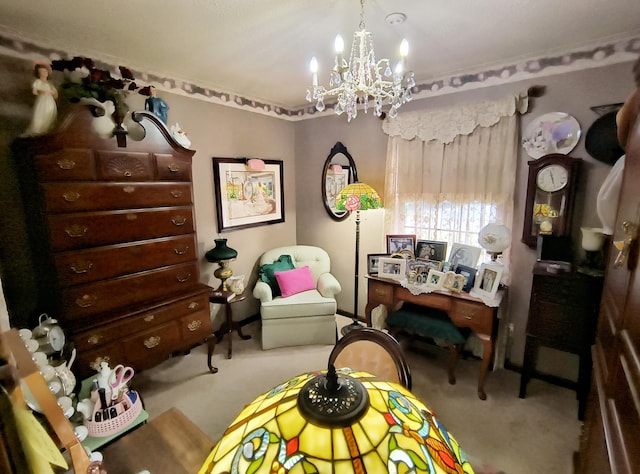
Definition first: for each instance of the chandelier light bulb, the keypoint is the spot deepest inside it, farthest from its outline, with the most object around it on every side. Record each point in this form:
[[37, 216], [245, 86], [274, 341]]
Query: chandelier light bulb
[[404, 49], [339, 44]]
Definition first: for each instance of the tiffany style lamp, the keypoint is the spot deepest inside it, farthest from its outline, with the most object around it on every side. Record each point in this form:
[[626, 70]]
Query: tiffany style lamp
[[336, 422], [357, 197]]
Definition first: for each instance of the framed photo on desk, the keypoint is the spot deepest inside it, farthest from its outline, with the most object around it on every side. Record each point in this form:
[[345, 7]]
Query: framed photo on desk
[[393, 268], [488, 279]]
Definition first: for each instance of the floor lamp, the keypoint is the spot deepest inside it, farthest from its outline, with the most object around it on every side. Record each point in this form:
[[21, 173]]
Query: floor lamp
[[357, 197]]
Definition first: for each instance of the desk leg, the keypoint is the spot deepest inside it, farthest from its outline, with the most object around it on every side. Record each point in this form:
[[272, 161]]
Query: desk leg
[[484, 368], [211, 344]]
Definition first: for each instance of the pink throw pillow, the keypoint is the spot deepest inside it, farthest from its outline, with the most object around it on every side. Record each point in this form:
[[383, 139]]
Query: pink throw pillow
[[295, 281]]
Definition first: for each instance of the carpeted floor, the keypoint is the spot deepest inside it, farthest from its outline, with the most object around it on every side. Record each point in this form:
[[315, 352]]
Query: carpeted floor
[[503, 434]]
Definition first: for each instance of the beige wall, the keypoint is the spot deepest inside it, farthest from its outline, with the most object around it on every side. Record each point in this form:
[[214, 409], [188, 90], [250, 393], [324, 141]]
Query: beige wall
[[303, 146]]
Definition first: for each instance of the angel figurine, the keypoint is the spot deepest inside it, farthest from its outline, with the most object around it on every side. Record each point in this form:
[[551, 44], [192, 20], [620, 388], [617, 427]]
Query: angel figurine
[[45, 110]]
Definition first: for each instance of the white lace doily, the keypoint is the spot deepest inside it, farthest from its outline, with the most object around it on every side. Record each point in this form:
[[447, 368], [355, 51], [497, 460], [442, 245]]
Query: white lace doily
[[416, 289]]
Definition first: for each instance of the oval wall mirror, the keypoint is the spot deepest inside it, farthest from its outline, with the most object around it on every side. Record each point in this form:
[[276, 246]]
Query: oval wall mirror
[[338, 171]]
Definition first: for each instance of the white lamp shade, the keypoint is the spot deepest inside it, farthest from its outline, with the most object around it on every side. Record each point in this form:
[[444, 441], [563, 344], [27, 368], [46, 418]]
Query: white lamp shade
[[494, 237]]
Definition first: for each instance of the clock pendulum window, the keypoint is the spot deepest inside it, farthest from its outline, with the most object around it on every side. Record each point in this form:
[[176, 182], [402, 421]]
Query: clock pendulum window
[[551, 190]]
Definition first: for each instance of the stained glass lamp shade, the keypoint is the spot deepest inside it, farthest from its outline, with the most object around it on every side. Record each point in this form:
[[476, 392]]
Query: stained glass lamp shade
[[394, 432], [357, 197]]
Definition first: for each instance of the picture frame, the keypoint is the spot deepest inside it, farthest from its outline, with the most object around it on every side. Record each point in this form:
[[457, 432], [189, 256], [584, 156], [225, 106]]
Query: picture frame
[[373, 262], [431, 264], [392, 268], [431, 250], [336, 180], [246, 197], [469, 273], [466, 255], [435, 279], [399, 242], [449, 280], [488, 280]]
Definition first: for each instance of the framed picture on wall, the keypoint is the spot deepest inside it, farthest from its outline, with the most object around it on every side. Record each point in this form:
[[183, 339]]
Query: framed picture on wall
[[246, 197]]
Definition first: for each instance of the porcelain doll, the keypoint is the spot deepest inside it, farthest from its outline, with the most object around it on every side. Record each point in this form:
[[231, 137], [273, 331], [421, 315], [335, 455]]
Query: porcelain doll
[[45, 110]]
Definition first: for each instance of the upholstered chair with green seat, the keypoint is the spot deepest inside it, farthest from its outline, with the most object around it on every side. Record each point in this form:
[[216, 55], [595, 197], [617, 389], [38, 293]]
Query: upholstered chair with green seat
[[297, 297]]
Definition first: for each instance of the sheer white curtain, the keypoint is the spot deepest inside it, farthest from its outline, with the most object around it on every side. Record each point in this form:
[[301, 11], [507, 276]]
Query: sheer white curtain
[[451, 171]]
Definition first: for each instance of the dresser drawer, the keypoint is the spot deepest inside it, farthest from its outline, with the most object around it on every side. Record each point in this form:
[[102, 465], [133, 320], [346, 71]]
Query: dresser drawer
[[74, 197], [184, 308], [85, 266], [88, 362], [173, 168], [66, 165], [146, 349], [124, 166], [476, 316], [197, 326], [87, 300], [82, 230], [381, 293]]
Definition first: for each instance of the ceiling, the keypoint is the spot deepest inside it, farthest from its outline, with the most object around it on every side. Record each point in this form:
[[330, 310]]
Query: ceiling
[[260, 49]]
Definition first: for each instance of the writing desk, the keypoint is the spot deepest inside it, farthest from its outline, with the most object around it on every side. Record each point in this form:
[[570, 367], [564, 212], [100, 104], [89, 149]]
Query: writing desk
[[463, 309]]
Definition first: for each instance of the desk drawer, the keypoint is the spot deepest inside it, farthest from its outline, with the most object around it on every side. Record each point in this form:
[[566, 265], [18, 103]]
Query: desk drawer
[[476, 316], [381, 293]]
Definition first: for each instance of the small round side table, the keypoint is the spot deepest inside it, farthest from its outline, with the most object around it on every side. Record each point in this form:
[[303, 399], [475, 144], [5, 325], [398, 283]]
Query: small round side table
[[226, 298]]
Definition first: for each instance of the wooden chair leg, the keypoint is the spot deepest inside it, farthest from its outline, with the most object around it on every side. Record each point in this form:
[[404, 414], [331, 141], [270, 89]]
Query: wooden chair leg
[[454, 349]]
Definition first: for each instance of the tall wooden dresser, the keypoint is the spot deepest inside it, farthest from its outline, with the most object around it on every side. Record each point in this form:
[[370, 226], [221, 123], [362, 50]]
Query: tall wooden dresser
[[113, 241]]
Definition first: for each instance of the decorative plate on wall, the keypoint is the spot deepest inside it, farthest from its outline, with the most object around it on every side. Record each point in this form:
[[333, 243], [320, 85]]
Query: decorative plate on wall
[[555, 132]]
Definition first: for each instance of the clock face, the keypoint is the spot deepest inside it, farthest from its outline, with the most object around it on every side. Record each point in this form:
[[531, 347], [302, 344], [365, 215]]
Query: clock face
[[552, 178], [56, 338]]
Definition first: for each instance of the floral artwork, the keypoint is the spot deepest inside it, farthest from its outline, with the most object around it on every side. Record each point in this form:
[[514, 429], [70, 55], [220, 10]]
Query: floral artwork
[[247, 197]]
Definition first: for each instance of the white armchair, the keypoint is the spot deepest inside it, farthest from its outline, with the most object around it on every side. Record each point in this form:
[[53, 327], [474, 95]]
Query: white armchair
[[307, 317]]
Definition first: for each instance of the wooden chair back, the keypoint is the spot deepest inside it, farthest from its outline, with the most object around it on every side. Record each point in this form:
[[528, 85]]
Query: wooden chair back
[[373, 351]]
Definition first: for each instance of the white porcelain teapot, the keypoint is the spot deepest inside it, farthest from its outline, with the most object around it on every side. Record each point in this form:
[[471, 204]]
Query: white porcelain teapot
[[66, 376]]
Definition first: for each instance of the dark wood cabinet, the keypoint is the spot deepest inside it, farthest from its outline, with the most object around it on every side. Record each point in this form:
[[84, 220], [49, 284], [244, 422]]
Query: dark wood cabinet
[[562, 315], [112, 236]]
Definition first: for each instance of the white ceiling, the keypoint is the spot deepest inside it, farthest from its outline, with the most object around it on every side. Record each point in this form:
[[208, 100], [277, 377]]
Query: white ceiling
[[260, 49]]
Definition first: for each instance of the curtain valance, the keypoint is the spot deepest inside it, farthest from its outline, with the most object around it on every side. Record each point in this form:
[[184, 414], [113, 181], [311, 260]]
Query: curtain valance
[[445, 124]]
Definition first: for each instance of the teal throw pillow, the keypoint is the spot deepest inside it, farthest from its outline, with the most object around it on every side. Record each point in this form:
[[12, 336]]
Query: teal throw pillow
[[266, 272]]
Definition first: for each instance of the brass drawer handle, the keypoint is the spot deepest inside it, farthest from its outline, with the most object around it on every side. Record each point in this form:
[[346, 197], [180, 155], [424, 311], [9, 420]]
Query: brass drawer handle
[[81, 266], [132, 217], [152, 342], [380, 292], [87, 301], [193, 305], [183, 277], [96, 364], [181, 250], [194, 325], [148, 318], [173, 167], [129, 189], [66, 164], [71, 196], [76, 230], [179, 220], [94, 339], [176, 193]]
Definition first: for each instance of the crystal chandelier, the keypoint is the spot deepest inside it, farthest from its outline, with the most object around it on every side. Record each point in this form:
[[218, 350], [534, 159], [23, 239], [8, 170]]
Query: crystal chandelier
[[363, 79]]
